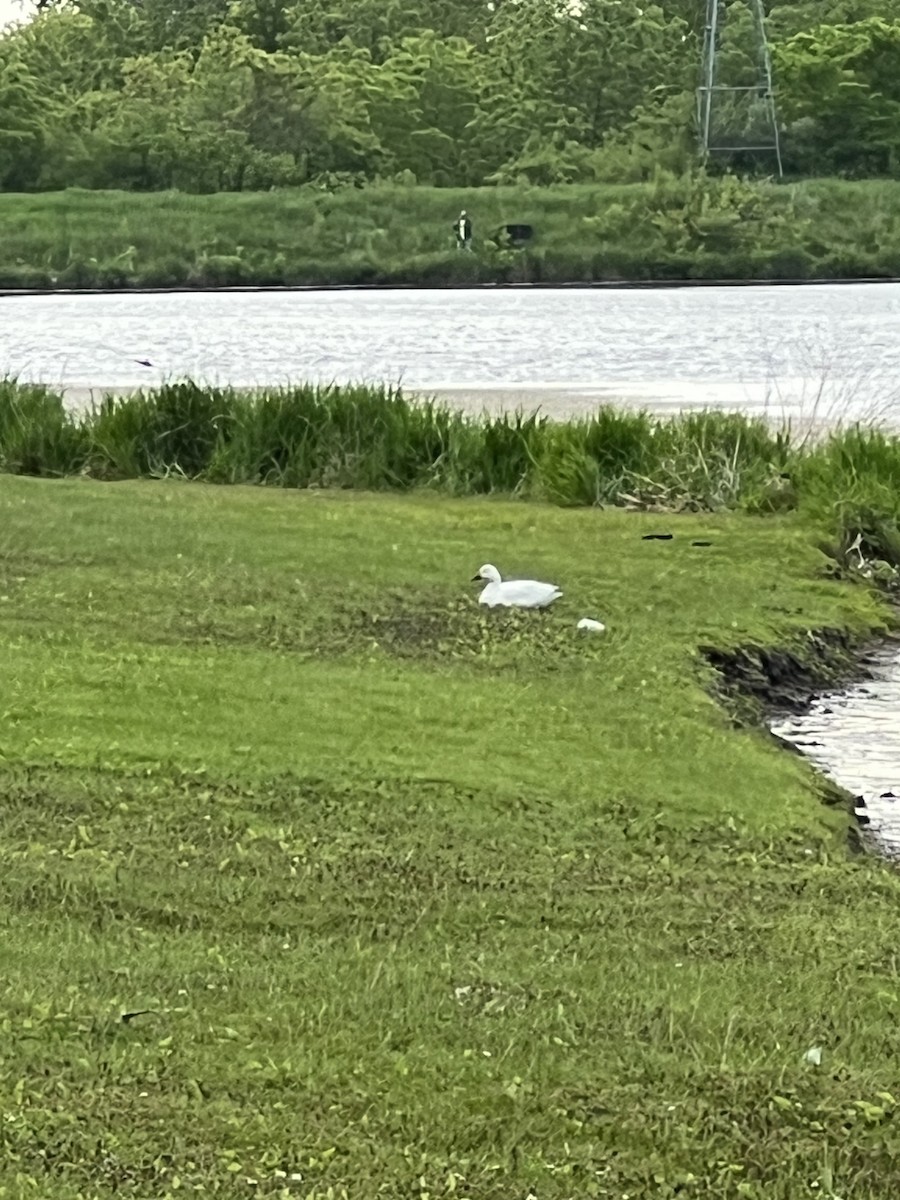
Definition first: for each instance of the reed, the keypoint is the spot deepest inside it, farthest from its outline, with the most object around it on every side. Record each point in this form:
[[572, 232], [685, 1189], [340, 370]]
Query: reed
[[374, 438], [37, 435]]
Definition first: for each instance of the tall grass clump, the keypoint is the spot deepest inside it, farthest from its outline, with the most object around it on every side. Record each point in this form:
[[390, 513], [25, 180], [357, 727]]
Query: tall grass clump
[[852, 480], [716, 460], [313, 436], [588, 461], [37, 436], [374, 438], [498, 454], [172, 430], [699, 461]]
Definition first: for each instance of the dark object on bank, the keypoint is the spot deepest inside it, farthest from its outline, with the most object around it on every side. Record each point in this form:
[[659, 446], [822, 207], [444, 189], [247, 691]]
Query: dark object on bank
[[667, 537], [143, 1012], [513, 237]]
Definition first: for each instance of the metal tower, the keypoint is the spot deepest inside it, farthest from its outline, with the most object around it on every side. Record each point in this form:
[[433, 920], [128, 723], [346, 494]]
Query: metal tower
[[736, 113]]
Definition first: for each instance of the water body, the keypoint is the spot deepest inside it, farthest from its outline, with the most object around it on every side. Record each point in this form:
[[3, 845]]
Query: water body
[[854, 737], [820, 352]]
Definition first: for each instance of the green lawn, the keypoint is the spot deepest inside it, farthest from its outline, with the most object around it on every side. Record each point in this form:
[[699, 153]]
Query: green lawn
[[427, 901]]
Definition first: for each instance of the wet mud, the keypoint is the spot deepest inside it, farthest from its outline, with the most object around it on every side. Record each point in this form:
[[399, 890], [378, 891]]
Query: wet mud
[[836, 701]]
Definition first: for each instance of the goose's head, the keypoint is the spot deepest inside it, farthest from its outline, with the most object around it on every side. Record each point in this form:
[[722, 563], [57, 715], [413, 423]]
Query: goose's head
[[488, 574]]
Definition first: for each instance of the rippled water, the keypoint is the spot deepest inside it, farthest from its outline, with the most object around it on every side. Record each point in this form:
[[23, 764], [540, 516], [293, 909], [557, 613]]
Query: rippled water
[[854, 737], [826, 349]]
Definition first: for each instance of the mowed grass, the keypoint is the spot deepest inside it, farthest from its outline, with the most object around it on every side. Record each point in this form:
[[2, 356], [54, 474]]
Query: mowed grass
[[425, 901]]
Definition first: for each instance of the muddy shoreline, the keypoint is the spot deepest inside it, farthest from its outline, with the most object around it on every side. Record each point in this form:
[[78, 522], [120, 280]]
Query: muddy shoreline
[[761, 686], [762, 682]]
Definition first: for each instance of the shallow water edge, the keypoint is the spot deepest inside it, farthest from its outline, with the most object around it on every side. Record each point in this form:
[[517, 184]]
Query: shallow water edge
[[607, 284], [835, 701], [851, 735]]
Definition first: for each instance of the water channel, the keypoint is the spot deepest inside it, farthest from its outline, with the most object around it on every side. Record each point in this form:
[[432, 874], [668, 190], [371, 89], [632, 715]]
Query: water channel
[[821, 352], [807, 354], [853, 736]]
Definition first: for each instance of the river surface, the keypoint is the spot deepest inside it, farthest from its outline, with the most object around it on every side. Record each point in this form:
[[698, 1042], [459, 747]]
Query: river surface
[[822, 352], [853, 736]]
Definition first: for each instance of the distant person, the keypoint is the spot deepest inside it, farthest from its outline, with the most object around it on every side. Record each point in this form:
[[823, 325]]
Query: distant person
[[463, 229]]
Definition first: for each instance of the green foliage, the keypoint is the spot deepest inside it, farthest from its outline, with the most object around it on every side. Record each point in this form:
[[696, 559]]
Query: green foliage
[[176, 429], [374, 439], [249, 94], [37, 435], [222, 97], [703, 225], [842, 98], [789, 17], [689, 225], [854, 481], [329, 437]]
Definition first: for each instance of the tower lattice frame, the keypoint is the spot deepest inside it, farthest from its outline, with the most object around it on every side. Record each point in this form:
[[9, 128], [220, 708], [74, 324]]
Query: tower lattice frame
[[718, 102]]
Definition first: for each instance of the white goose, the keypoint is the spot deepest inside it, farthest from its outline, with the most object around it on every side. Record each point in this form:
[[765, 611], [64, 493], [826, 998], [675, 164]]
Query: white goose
[[514, 593]]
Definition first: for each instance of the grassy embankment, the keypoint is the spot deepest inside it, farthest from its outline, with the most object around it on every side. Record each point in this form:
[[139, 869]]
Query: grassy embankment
[[376, 439], [426, 901], [672, 229]]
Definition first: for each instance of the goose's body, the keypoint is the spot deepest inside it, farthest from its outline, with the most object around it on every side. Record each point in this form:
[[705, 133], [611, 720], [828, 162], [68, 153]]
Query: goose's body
[[515, 593]]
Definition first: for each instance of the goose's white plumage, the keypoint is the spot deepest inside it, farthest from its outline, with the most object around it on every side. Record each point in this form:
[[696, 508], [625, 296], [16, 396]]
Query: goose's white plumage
[[515, 593]]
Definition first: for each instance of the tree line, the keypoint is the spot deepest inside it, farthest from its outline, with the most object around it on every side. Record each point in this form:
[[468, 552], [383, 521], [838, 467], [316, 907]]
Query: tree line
[[232, 95]]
